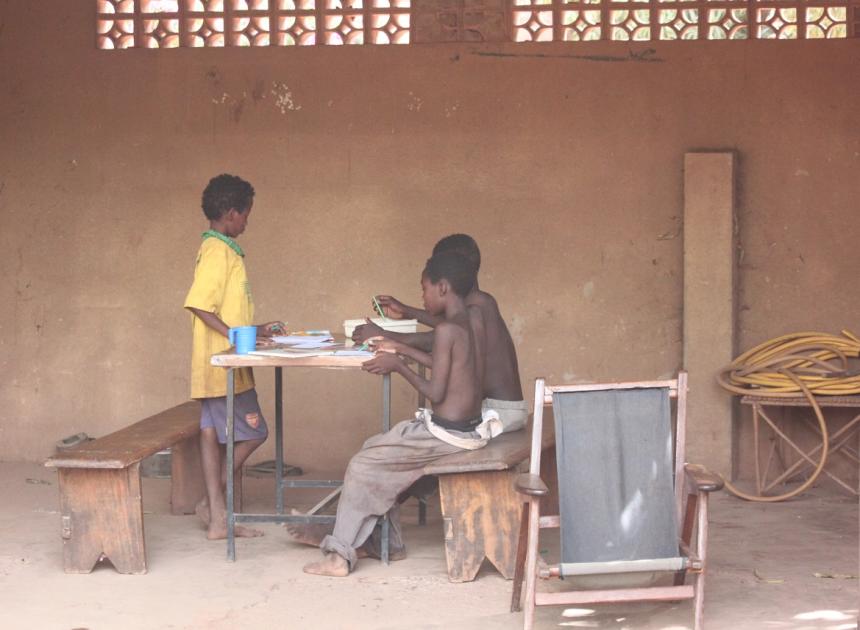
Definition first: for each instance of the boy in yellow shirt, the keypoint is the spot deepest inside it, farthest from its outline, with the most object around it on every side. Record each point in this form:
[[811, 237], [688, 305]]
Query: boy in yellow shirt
[[220, 299]]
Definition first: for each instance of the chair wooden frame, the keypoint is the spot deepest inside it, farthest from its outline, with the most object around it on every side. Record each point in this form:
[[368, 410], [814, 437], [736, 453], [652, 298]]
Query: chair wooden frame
[[691, 503]]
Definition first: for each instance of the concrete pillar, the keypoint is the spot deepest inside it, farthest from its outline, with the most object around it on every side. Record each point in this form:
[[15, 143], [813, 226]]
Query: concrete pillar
[[709, 304]]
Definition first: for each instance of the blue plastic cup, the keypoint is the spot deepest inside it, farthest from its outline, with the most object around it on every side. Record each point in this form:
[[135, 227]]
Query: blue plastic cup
[[244, 338]]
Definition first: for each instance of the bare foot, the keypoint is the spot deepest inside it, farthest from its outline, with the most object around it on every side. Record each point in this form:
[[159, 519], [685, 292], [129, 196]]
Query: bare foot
[[246, 532], [218, 530], [202, 511], [313, 533], [332, 566], [308, 533]]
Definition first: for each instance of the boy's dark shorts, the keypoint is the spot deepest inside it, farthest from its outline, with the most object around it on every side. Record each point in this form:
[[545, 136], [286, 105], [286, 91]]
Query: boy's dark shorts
[[213, 413]]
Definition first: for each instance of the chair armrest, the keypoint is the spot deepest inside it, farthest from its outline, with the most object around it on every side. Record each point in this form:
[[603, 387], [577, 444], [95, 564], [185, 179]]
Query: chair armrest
[[703, 479], [531, 485]]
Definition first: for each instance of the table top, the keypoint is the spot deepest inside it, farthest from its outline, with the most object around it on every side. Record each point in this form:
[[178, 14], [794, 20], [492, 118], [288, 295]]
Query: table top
[[229, 359]]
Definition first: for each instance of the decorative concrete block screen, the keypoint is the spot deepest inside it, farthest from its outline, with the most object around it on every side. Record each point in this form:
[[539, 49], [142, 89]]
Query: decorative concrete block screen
[[219, 23], [647, 20]]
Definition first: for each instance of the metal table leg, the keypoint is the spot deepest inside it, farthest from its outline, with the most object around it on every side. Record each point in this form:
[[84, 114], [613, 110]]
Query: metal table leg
[[386, 402], [386, 425], [279, 440], [422, 402], [231, 517], [280, 483]]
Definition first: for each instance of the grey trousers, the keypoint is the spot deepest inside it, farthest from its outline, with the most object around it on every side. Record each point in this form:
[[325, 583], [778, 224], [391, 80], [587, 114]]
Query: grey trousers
[[385, 466]]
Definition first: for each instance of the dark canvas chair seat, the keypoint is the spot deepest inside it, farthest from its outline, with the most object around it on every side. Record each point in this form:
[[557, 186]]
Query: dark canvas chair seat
[[627, 500]]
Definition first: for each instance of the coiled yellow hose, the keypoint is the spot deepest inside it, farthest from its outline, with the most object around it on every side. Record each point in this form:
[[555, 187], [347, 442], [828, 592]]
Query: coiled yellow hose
[[806, 363]]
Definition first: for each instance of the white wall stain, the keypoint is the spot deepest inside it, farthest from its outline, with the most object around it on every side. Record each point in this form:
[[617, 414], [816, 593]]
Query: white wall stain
[[568, 377], [415, 102], [588, 290], [284, 98], [224, 98], [450, 110], [516, 328], [801, 173]]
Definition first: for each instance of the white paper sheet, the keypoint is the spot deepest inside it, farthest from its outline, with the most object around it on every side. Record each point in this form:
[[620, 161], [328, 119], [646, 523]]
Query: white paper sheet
[[292, 340], [313, 345], [354, 353]]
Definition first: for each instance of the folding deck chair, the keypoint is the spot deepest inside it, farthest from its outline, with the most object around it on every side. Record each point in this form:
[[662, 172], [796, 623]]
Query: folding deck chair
[[628, 502]]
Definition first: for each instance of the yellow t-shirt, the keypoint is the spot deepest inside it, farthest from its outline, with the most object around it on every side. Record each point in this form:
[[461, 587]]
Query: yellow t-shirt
[[221, 287]]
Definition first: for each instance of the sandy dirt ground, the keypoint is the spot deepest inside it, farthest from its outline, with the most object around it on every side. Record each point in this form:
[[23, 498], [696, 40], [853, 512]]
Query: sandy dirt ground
[[762, 573]]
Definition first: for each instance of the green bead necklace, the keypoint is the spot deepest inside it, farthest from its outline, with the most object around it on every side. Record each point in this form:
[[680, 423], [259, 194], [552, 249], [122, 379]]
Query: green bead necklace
[[225, 239]]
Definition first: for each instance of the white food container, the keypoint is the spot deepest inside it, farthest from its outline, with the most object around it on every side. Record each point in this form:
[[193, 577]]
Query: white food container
[[394, 325]]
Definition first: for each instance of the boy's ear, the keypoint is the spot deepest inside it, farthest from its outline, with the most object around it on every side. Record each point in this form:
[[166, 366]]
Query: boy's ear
[[444, 287]]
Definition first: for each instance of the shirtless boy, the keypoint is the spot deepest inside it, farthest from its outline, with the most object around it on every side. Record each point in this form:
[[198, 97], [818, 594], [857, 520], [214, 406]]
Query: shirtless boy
[[390, 462], [502, 390]]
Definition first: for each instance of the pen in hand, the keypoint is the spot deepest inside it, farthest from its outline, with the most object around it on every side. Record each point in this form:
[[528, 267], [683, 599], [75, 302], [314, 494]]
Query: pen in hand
[[378, 308]]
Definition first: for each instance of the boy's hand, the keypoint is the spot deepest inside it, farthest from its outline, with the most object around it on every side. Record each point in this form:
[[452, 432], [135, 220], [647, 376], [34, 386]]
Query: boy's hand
[[266, 342], [382, 363], [393, 309], [366, 331], [381, 344], [271, 328]]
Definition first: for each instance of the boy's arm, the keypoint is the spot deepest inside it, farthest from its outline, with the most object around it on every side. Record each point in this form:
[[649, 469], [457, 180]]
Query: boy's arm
[[217, 324], [211, 320], [436, 388], [387, 345], [396, 309], [420, 340]]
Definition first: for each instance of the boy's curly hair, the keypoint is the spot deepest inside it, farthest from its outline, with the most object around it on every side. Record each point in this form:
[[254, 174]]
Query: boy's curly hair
[[454, 267], [225, 192], [462, 243]]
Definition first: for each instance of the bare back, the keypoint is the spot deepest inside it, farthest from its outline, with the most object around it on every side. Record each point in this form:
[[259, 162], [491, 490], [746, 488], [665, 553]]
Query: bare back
[[456, 340], [500, 366]]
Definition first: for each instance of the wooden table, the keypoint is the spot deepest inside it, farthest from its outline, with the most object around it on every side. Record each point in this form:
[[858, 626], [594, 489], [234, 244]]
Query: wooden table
[[839, 441], [230, 360]]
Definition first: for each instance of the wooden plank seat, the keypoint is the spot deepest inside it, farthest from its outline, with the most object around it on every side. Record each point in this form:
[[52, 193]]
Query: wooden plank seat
[[100, 493], [481, 512]]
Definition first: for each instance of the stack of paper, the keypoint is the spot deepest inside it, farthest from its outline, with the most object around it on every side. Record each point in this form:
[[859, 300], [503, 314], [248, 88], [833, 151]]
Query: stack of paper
[[293, 351], [312, 343], [302, 339]]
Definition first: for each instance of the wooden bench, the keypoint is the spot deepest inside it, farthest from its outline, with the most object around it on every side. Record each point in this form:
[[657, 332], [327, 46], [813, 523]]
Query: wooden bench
[[481, 512], [100, 494]]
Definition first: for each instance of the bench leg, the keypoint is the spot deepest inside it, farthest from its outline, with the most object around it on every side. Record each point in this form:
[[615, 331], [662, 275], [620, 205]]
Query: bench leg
[[102, 514], [481, 518], [186, 476]]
